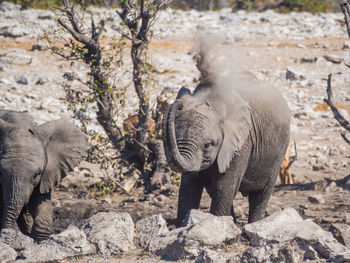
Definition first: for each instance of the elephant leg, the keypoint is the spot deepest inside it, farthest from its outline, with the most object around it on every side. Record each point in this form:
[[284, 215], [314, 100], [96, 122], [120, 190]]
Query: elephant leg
[[232, 212], [257, 205], [25, 221], [43, 216], [211, 191], [258, 200], [1, 206], [226, 185], [222, 199], [191, 189]]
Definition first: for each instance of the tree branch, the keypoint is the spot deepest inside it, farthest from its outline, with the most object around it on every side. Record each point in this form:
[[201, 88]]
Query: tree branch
[[345, 7], [345, 138], [77, 36], [341, 120]]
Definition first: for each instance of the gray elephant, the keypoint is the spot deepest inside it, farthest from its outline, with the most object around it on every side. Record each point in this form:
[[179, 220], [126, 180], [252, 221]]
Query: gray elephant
[[33, 159], [227, 136]]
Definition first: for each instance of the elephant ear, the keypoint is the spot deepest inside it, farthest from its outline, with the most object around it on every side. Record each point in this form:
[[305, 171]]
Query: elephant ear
[[182, 92], [65, 146], [236, 126], [4, 127]]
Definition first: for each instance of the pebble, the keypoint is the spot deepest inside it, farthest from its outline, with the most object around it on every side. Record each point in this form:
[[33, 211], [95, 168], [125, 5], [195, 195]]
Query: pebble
[[22, 80], [316, 199], [333, 59], [346, 45], [41, 81]]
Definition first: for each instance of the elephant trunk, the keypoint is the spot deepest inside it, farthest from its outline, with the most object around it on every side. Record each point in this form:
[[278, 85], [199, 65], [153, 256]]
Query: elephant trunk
[[14, 200], [173, 155]]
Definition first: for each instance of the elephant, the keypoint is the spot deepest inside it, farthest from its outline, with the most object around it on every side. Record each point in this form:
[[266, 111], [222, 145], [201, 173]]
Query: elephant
[[33, 159], [227, 136]]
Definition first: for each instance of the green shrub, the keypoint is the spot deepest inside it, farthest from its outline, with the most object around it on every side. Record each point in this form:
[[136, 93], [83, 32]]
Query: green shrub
[[312, 6], [44, 4]]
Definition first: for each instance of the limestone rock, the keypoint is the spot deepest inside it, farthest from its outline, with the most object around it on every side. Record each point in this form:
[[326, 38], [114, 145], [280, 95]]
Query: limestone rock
[[341, 232], [150, 227], [276, 227], [287, 226], [15, 239], [112, 233], [195, 216], [273, 253], [292, 75], [7, 254], [8, 6], [210, 256], [188, 241], [22, 80], [333, 59], [316, 199], [71, 242]]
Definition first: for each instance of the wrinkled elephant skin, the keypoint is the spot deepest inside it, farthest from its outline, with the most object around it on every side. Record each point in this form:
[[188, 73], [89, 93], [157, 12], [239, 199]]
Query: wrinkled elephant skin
[[227, 139], [32, 161]]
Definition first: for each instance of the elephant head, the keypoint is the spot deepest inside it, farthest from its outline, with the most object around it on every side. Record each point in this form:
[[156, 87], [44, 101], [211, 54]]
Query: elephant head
[[35, 157], [206, 126]]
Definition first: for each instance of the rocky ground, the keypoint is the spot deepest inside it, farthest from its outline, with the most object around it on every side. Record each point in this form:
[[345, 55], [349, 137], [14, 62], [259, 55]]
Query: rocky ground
[[293, 52]]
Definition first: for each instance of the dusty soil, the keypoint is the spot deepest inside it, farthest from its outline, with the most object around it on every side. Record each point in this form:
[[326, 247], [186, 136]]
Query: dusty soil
[[331, 203], [323, 157]]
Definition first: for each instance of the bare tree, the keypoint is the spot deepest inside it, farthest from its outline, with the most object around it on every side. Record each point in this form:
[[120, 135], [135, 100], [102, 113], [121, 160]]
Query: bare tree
[[337, 115], [100, 86], [345, 6], [138, 18]]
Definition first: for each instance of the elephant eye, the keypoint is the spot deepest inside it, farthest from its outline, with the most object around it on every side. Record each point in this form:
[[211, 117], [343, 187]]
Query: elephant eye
[[208, 144], [31, 131], [37, 176]]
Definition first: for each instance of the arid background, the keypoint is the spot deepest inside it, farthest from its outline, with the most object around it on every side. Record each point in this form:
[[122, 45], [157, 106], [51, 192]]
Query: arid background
[[293, 52]]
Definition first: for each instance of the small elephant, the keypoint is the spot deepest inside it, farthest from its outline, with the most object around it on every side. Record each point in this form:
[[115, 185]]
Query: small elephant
[[33, 159], [227, 138]]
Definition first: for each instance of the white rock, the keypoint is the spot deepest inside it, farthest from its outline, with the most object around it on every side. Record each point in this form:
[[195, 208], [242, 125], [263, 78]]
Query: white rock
[[7, 254], [210, 256], [342, 233], [112, 233], [69, 243], [150, 227], [15, 239], [189, 241], [286, 226]]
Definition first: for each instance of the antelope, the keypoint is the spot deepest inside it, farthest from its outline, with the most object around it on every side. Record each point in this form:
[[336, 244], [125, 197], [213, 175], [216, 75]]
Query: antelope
[[285, 174]]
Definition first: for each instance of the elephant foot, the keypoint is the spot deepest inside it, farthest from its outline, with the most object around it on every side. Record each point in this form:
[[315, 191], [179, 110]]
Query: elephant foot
[[39, 236]]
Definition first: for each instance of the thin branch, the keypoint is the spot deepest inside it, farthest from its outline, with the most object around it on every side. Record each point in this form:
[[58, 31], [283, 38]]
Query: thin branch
[[341, 120], [345, 7], [116, 182], [72, 14], [141, 145], [77, 36], [343, 134]]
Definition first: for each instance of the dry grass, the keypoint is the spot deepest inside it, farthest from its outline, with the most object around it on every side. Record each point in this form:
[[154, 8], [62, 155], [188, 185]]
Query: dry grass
[[324, 107]]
